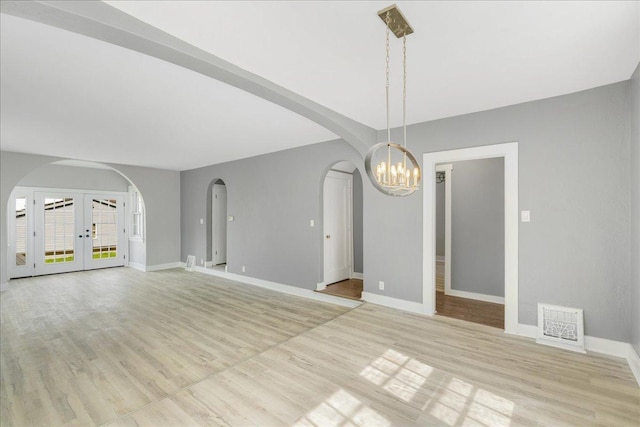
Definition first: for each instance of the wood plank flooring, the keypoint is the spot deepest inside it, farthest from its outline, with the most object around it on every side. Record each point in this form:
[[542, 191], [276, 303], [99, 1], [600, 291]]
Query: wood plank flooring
[[485, 313], [124, 348], [350, 288]]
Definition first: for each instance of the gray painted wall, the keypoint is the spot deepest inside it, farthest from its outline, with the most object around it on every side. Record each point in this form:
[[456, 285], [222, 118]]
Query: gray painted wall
[[574, 176], [635, 209], [159, 188], [358, 263], [57, 176], [477, 226], [272, 198], [440, 218]]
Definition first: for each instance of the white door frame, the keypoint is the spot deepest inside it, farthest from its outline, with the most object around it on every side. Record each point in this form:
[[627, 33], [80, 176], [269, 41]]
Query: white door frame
[[349, 177], [509, 151], [216, 220], [447, 168]]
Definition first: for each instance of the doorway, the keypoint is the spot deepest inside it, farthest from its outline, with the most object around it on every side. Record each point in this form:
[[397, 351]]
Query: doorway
[[342, 231], [509, 153], [63, 231], [219, 225], [470, 241]]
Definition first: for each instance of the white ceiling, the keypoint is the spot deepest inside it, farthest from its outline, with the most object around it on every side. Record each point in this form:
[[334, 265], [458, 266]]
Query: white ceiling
[[68, 95]]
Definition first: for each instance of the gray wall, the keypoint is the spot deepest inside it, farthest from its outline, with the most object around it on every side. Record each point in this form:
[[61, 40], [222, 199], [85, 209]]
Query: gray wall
[[574, 176], [159, 188], [440, 218], [272, 198], [358, 264], [477, 226], [70, 177], [635, 209]]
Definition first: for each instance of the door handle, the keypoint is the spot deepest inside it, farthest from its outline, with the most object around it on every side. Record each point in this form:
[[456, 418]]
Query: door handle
[[328, 236], [87, 236], [80, 236]]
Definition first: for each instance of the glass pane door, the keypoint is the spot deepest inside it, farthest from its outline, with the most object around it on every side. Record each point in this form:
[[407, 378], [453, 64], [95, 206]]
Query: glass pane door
[[104, 218], [58, 233], [20, 223]]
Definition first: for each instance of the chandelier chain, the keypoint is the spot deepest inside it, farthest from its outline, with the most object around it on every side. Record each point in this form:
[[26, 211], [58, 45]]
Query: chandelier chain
[[387, 73], [404, 89]]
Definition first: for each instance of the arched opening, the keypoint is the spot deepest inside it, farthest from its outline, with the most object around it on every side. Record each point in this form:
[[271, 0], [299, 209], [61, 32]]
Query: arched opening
[[217, 221], [74, 215], [341, 234]]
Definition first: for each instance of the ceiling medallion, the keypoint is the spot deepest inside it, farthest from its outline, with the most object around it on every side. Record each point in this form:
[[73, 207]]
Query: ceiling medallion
[[396, 171]]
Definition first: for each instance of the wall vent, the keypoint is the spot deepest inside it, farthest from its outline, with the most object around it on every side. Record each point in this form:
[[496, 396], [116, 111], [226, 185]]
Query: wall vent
[[561, 327]]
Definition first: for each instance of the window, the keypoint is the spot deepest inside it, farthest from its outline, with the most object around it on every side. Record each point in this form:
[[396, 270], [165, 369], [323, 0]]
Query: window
[[136, 230]]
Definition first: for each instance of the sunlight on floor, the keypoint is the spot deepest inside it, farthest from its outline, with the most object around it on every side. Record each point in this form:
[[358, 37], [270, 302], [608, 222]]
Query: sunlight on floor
[[341, 409], [398, 374], [454, 401]]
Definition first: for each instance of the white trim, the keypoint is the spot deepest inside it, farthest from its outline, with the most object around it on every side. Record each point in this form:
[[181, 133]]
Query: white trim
[[448, 176], [280, 287], [510, 153], [593, 344], [68, 190], [4, 286], [480, 297], [634, 362], [355, 275], [523, 330], [137, 266], [321, 286], [349, 178], [413, 307], [605, 346], [165, 266]]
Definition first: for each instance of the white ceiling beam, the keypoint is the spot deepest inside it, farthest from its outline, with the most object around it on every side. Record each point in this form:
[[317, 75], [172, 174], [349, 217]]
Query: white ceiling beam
[[103, 22]]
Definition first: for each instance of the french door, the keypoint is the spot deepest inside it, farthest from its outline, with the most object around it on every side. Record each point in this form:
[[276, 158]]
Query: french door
[[70, 232]]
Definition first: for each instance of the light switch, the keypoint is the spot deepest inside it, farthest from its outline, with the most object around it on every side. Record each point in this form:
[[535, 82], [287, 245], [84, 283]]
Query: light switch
[[230, 218], [201, 221], [312, 223], [525, 216]]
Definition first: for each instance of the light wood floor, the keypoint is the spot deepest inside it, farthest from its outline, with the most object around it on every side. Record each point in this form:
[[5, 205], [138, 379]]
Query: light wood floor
[[350, 288], [123, 348]]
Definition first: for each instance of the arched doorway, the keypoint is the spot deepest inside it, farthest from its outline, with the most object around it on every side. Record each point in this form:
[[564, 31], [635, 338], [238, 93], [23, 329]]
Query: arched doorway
[[217, 229], [342, 231], [69, 216]]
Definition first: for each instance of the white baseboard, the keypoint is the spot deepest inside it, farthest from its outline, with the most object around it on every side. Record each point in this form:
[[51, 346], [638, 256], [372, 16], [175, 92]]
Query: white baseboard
[[321, 286], [166, 266], [280, 287], [137, 266], [209, 264], [594, 344], [475, 296], [413, 307], [4, 286], [634, 362], [357, 276]]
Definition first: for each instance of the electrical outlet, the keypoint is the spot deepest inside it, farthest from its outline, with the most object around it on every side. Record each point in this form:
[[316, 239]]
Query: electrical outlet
[[244, 269], [381, 285], [201, 261], [312, 223]]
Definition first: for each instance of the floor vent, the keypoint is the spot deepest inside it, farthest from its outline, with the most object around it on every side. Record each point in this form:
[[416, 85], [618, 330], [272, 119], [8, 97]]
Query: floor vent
[[561, 327]]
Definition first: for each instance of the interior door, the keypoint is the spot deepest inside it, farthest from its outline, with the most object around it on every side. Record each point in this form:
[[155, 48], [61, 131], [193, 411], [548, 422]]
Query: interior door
[[219, 224], [59, 235], [337, 227], [104, 231]]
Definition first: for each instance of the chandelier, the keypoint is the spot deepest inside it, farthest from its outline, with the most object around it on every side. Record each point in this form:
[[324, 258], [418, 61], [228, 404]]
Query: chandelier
[[391, 167]]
